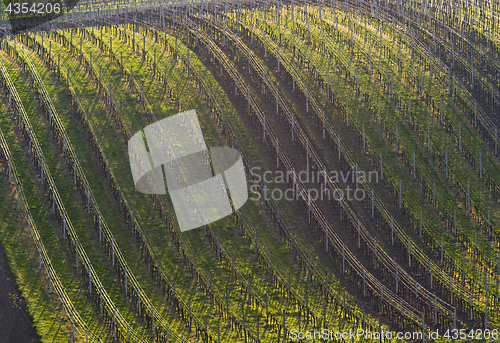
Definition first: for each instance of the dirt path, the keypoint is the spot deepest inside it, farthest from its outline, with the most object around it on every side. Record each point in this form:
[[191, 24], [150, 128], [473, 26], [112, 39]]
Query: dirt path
[[16, 325]]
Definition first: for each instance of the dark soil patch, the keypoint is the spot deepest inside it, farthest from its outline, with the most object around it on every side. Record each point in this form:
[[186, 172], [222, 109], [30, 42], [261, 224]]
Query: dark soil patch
[[16, 325]]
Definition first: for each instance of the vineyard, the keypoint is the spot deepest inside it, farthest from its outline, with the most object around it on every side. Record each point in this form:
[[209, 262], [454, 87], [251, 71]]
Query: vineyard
[[395, 100]]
